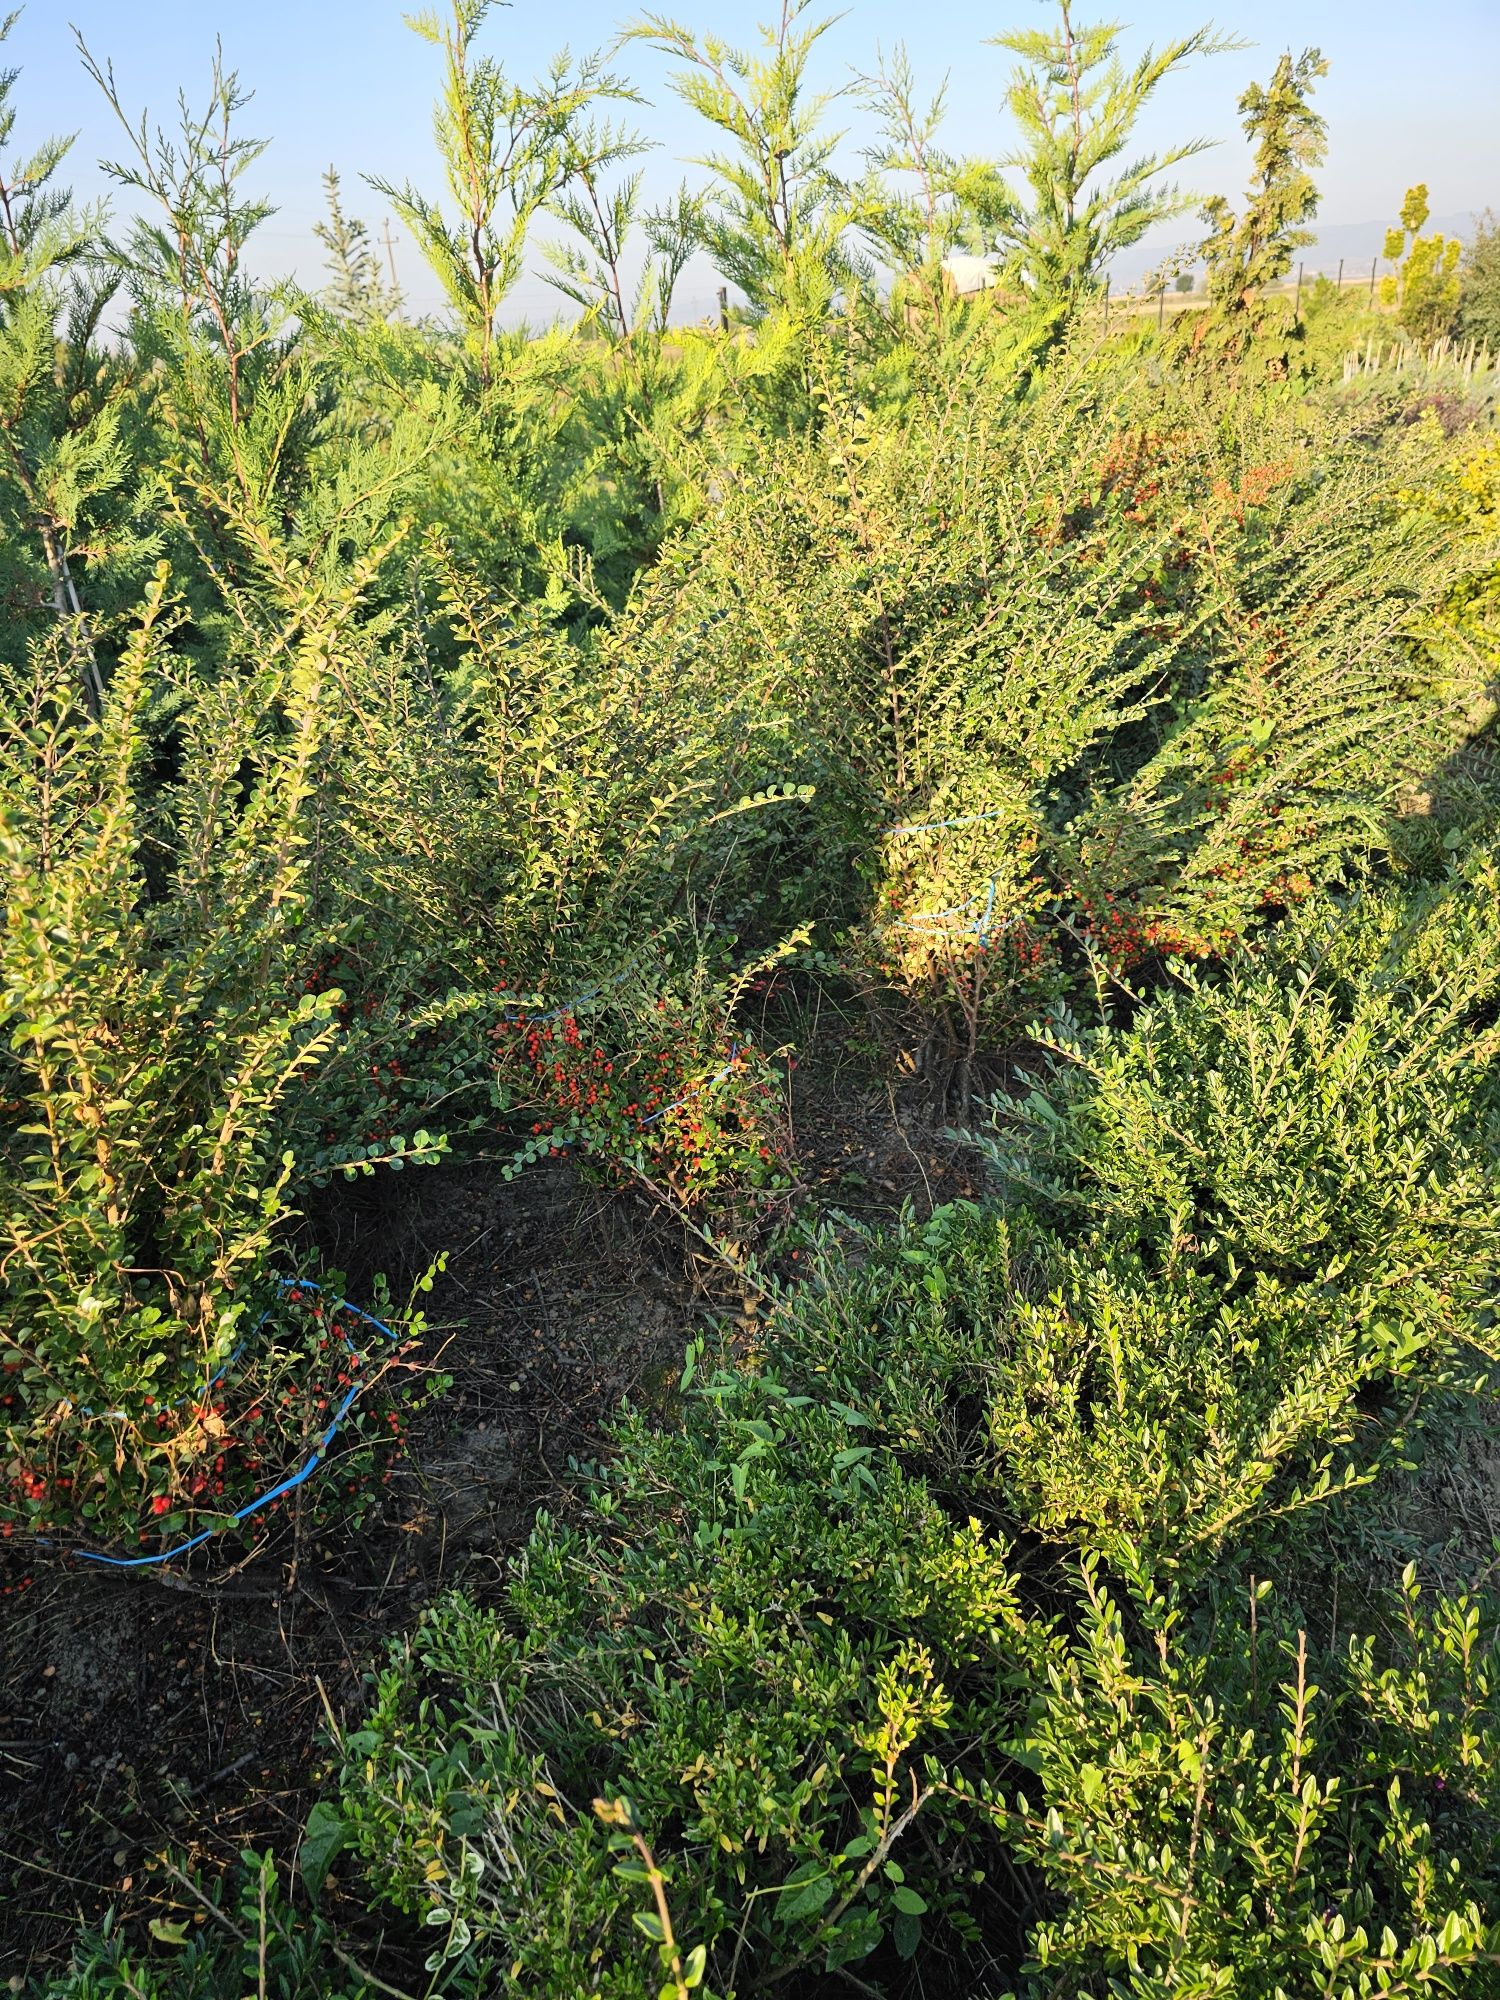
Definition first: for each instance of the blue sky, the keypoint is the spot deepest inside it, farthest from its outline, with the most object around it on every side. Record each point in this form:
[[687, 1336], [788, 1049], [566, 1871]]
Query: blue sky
[[1411, 95]]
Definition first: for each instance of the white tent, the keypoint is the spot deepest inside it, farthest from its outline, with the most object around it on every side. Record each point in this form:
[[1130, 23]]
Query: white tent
[[971, 274]]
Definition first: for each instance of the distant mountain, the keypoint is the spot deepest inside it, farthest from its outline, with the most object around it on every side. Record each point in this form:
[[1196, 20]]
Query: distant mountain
[[1353, 242]]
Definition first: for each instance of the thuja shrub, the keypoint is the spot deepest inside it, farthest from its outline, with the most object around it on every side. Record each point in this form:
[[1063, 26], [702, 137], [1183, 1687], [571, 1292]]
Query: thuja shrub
[[154, 1046], [935, 658], [1463, 496]]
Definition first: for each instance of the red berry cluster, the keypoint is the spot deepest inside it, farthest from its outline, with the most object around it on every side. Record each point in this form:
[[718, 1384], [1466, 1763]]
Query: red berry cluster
[[701, 1115], [1257, 484], [187, 1462], [1127, 934]]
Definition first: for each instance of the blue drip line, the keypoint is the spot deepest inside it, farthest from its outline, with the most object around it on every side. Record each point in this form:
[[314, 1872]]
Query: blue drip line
[[930, 926], [287, 1485], [937, 825], [523, 1019]]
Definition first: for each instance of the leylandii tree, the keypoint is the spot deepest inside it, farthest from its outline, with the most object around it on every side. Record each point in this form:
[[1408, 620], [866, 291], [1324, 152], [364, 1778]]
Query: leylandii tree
[[775, 216], [1252, 250], [194, 255], [936, 200], [508, 150], [1479, 283], [1076, 103], [591, 270], [39, 227], [357, 289], [48, 466]]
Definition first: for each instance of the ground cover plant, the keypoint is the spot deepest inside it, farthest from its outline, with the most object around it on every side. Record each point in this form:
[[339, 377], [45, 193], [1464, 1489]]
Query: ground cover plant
[[957, 840]]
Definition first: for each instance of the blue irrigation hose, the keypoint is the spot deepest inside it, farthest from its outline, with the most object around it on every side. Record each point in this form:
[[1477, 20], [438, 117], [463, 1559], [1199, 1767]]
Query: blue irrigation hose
[[717, 1077], [930, 924], [525, 1020], [287, 1485], [937, 825]]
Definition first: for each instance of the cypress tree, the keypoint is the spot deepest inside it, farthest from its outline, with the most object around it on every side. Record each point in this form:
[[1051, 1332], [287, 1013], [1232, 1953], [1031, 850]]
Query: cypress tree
[[1249, 252]]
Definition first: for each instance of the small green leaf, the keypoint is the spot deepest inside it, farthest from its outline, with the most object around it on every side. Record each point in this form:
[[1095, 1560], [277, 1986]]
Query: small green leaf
[[326, 1833], [804, 1893]]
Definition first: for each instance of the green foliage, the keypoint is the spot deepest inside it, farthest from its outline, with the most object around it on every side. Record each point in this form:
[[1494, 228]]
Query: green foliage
[[1295, 1165], [39, 227], [786, 1751], [1253, 250], [357, 288], [191, 263], [939, 202], [428, 741], [256, 1942], [152, 1050], [1075, 104], [58, 455], [1479, 284], [1240, 1809], [508, 150], [775, 215], [1425, 291], [604, 223], [819, 1610]]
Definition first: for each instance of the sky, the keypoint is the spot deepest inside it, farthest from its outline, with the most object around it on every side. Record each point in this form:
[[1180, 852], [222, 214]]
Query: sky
[[1410, 96]]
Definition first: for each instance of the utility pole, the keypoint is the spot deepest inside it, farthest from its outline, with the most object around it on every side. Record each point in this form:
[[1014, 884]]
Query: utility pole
[[724, 308], [1339, 281], [390, 253], [1374, 265], [1297, 300]]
